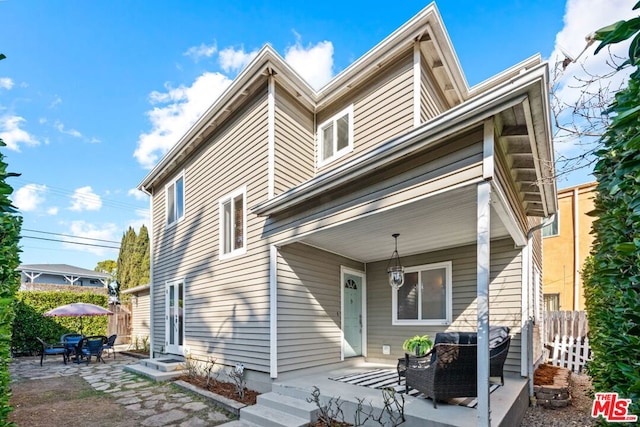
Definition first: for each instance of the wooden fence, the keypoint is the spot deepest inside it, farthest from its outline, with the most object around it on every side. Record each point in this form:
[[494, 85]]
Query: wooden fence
[[120, 323], [566, 341], [569, 323], [569, 352]]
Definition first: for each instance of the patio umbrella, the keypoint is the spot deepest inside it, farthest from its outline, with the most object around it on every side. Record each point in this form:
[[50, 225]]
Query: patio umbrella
[[78, 309]]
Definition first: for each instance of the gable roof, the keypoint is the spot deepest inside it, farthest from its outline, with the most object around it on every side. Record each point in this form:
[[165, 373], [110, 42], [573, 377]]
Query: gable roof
[[427, 26], [62, 269]]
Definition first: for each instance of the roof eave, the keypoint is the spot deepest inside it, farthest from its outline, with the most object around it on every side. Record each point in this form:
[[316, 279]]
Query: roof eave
[[460, 117]]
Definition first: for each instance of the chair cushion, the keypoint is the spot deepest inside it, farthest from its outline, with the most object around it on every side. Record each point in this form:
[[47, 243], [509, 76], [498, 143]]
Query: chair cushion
[[497, 335]]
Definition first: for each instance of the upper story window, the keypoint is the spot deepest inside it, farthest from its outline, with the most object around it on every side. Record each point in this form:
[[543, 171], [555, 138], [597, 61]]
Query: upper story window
[[233, 219], [335, 136], [425, 298], [175, 200], [552, 229]]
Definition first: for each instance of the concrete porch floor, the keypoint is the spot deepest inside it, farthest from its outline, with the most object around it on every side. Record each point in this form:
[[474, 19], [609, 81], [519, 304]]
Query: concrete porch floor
[[508, 403]]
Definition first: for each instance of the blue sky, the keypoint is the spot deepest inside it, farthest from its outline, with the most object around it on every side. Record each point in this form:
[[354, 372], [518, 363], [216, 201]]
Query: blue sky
[[92, 93]]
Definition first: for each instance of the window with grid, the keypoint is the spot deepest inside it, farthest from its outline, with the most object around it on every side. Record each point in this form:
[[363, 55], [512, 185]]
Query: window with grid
[[175, 200], [233, 224], [425, 298], [335, 137]]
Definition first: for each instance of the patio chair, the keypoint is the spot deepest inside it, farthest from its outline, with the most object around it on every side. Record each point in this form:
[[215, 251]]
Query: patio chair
[[499, 341], [108, 345], [452, 374], [93, 347], [49, 349]]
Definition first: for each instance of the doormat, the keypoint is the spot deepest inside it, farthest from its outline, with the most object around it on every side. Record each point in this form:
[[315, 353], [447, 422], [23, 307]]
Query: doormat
[[388, 378]]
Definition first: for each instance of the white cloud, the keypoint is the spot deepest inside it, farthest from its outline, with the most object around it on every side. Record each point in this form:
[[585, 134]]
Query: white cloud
[[53, 211], [55, 102], [202, 51], [60, 127], [6, 83], [184, 105], [29, 197], [235, 60], [13, 135], [314, 62], [137, 194], [84, 199], [106, 231]]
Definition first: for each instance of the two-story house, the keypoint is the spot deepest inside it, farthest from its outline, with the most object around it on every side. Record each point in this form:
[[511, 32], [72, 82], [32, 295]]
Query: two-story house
[[273, 216]]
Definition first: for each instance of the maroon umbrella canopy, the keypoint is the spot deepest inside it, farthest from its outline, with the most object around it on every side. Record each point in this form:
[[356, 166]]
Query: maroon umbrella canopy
[[78, 309]]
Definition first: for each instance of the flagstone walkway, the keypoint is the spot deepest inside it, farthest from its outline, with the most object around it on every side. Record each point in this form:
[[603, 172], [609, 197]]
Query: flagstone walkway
[[157, 404]]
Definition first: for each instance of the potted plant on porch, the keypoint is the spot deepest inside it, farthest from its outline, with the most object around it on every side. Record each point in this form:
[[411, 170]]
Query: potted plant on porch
[[419, 345]]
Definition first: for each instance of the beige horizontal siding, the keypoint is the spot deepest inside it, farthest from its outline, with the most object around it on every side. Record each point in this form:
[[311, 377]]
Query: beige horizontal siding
[[309, 331], [226, 301], [140, 318], [294, 142], [382, 109], [504, 305], [450, 163], [432, 101]]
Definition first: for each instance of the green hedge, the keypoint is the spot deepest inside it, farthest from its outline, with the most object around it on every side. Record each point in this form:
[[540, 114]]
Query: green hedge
[[30, 323], [10, 225]]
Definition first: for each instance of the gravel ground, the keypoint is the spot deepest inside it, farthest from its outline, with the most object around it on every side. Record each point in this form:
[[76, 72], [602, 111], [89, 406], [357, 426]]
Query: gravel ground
[[576, 414]]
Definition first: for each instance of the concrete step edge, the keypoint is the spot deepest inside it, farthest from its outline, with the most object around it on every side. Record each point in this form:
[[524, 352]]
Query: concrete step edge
[[269, 417]]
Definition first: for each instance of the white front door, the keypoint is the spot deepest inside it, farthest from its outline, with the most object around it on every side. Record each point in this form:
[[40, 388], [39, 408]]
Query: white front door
[[174, 323], [353, 320]]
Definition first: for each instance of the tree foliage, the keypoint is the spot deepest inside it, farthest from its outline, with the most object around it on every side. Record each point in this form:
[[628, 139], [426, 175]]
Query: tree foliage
[[133, 267], [10, 225], [612, 279], [108, 266]]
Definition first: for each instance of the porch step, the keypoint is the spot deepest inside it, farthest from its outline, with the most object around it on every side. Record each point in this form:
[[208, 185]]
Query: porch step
[[154, 374], [277, 410], [164, 364]]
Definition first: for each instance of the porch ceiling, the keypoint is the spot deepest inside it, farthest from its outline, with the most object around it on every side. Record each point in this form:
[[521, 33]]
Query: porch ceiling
[[437, 222]]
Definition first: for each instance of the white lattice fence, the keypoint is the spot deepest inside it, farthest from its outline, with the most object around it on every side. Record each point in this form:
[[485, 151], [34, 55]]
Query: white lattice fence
[[569, 352]]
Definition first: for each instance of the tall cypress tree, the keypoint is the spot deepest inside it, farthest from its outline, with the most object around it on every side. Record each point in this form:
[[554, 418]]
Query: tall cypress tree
[[144, 269], [126, 260]]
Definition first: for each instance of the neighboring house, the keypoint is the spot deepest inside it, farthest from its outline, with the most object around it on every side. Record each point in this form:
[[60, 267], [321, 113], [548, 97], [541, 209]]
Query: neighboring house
[[566, 244], [34, 275], [140, 314], [272, 217]]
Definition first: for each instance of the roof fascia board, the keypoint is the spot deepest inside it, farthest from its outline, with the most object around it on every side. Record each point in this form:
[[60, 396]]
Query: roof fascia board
[[509, 73], [136, 289], [450, 122], [402, 37], [95, 275]]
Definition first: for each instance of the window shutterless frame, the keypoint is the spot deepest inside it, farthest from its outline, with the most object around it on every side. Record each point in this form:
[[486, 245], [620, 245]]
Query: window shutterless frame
[[174, 196], [335, 137], [232, 224], [417, 297]]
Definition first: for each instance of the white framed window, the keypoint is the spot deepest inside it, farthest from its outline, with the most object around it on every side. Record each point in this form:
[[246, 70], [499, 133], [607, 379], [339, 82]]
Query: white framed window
[[175, 199], [425, 298], [335, 136], [233, 220], [552, 229]]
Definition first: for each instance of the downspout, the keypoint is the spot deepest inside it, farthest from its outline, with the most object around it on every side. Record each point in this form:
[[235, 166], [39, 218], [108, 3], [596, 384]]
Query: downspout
[[530, 319], [576, 252], [151, 286]]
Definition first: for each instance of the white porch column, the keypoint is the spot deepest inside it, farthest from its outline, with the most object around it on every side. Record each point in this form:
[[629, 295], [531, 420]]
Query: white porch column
[[273, 311], [483, 268]]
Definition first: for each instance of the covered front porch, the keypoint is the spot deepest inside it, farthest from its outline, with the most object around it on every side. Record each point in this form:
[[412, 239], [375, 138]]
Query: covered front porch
[[508, 403]]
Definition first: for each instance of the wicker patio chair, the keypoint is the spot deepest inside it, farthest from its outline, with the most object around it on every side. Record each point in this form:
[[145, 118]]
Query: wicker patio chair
[[497, 357], [453, 373], [51, 349], [108, 345], [93, 347]]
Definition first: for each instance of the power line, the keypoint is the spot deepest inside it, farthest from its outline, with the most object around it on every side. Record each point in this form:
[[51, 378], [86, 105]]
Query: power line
[[69, 235], [70, 242]]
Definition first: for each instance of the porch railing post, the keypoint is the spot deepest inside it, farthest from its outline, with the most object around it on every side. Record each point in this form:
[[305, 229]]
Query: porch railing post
[[483, 268]]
